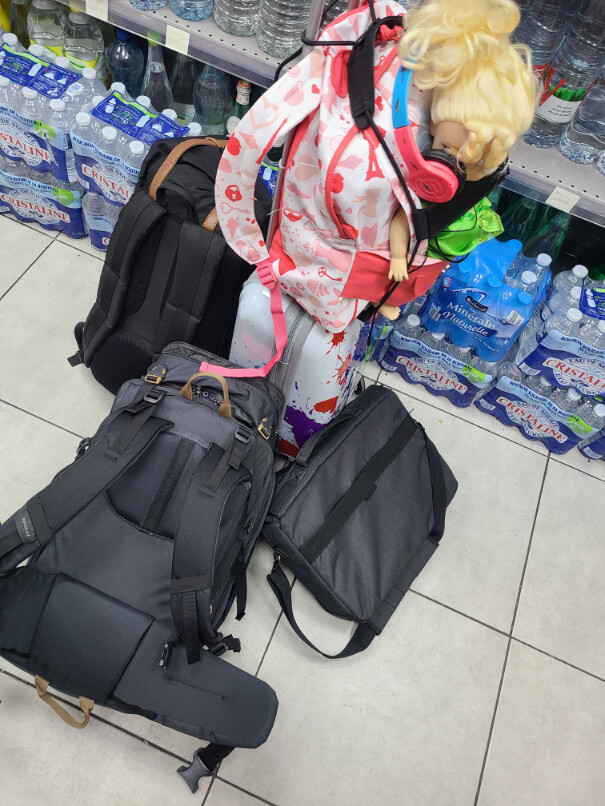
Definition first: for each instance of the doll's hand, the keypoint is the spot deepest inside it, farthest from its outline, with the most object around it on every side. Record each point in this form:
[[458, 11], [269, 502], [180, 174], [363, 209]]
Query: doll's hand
[[399, 269]]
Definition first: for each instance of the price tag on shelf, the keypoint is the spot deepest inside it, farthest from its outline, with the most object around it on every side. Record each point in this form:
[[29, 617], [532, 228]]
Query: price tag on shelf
[[98, 9], [562, 199], [177, 39]]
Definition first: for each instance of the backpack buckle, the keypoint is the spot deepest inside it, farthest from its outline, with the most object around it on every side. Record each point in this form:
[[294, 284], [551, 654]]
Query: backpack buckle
[[83, 446], [153, 396], [154, 379], [263, 430], [224, 643]]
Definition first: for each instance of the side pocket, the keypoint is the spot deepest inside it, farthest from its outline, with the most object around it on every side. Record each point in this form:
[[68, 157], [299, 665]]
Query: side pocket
[[85, 639], [23, 596]]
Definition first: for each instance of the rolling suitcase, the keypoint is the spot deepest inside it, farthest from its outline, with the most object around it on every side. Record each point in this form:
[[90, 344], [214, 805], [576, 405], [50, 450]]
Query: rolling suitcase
[[318, 370]]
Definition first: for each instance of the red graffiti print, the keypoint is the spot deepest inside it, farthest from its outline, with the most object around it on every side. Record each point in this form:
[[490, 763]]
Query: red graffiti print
[[326, 406], [234, 146], [336, 340], [233, 193]]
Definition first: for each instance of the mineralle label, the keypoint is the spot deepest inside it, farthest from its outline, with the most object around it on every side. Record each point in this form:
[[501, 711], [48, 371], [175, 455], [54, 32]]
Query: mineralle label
[[133, 119], [24, 69]]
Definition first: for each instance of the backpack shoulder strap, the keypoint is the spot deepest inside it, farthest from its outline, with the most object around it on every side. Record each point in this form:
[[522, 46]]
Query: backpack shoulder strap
[[127, 436], [140, 217]]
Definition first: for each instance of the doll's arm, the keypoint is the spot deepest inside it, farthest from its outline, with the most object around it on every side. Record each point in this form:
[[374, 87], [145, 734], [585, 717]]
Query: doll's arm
[[399, 236], [276, 112]]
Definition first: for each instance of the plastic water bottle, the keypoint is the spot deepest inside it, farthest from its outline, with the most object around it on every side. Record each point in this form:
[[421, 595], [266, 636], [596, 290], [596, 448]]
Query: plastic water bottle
[[539, 384], [584, 138], [212, 101], [82, 40], [145, 102], [182, 81], [527, 282], [11, 41], [593, 333], [237, 17], [416, 304], [542, 27], [126, 62], [568, 324], [18, 21], [31, 105], [436, 341], [149, 5], [45, 25], [510, 370], [280, 25], [108, 146], [463, 354], [486, 367], [566, 280], [337, 9], [567, 399], [566, 83], [195, 130], [241, 105], [155, 81], [93, 204], [592, 414], [41, 53], [192, 9], [81, 92], [170, 114], [562, 301], [410, 326]]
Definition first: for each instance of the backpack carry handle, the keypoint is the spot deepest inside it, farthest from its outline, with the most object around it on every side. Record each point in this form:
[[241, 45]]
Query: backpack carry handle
[[187, 391], [170, 162]]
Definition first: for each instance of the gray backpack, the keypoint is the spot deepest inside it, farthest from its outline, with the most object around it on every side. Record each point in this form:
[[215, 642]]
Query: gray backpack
[[358, 514], [137, 551]]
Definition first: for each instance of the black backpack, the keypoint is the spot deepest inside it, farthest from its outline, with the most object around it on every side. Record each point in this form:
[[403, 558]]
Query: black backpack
[[137, 551], [168, 274], [358, 514]]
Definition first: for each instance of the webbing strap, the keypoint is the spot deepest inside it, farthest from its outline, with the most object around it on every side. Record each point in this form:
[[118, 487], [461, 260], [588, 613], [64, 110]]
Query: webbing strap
[[360, 640], [167, 486], [361, 489], [194, 551], [268, 279]]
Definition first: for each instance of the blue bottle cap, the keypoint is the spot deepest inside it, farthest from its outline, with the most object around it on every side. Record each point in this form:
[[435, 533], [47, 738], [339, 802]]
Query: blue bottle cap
[[494, 282], [122, 35]]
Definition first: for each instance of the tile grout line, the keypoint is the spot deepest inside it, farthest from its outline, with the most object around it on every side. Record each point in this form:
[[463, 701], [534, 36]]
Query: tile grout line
[[510, 637], [22, 275], [555, 458], [560, 660], [100, 256], [246, 792], [460, 613], [106, 722], [38, 417]]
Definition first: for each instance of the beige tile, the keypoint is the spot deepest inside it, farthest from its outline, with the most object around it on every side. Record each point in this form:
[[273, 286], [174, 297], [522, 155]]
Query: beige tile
[[19, 247], [32, 453], [46, 762], [407, 721], [470, 414], [478, 566], [33, 225], [37, 318], [372, 370], [83, 244], [562, 605], [548, 744], [578, 461], [223, 794]]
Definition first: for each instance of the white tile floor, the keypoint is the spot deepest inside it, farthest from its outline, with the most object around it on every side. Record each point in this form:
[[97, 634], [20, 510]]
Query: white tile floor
[[487, 687]]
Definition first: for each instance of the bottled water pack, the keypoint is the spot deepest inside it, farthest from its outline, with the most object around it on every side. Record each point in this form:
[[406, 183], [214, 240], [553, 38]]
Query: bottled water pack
[[594, 447], [568, 346], [478, 304], [110, 143], [559, 418], [429, 358]]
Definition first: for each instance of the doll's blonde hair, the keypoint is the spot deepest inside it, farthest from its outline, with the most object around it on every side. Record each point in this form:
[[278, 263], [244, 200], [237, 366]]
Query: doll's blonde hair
[[461, 49]]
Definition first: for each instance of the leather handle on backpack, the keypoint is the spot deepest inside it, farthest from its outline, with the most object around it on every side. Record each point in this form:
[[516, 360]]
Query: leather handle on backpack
[[86, 705], [187, 391], [169, 163]]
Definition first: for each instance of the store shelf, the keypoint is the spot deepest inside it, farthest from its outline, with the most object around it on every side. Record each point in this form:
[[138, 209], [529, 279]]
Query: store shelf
[[237, 55], [537, 172]]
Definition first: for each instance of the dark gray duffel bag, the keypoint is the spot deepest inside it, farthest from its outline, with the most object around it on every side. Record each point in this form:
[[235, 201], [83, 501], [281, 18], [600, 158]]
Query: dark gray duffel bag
[[137, 551], [358, 513]]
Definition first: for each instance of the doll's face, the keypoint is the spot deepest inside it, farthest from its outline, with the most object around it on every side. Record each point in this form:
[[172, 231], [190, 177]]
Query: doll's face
[[450, 136]]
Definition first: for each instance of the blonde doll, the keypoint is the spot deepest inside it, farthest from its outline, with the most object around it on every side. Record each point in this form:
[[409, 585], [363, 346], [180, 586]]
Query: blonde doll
[[483, 90]]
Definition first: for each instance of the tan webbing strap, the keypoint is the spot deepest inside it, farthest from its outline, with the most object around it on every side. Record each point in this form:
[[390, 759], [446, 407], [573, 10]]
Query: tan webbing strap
[[175, 156], [86, 705], [211, 220], [187, 392]]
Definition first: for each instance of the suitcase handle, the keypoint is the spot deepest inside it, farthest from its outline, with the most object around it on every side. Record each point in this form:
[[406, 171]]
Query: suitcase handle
[[187, 392], [166, 167]]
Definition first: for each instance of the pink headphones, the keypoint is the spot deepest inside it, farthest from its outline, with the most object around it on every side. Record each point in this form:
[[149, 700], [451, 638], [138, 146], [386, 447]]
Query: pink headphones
[[435, 175]]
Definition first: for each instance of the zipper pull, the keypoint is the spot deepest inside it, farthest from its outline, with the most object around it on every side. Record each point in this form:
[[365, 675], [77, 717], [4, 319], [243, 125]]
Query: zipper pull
[[263, 430]]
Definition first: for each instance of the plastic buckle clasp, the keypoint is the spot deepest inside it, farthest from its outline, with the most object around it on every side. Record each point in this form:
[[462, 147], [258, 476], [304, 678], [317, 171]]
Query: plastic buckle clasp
[[83, 446], [277, 558], [266, 274], [153, 396], [192, 773], [243, 435]]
